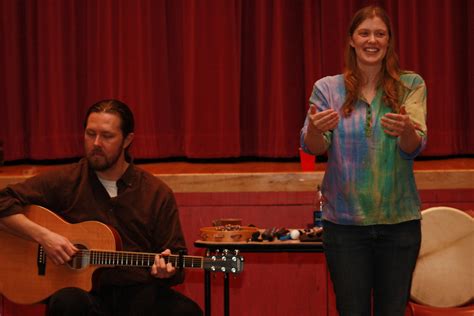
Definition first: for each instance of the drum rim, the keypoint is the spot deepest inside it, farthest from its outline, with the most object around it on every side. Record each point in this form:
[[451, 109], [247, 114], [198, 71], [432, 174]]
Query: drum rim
[[446, 208]]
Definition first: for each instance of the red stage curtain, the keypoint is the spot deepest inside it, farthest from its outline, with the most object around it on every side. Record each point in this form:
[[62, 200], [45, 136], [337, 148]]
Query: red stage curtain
[[211, 78]]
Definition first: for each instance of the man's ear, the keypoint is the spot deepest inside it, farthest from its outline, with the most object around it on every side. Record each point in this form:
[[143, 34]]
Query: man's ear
[[128, 140]]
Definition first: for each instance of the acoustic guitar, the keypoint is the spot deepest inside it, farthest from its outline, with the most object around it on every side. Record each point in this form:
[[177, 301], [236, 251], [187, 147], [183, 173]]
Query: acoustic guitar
[[26, 276]]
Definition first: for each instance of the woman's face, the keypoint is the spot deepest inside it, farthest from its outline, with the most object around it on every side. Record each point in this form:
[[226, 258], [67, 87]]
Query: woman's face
[[370, 41]]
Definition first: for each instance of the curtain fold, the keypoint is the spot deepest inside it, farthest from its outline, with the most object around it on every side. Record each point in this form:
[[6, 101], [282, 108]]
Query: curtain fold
[[211, 78]]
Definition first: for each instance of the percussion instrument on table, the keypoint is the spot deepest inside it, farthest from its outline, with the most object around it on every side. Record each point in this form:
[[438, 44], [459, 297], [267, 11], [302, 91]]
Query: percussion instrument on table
[[444, 272], [227, 233]]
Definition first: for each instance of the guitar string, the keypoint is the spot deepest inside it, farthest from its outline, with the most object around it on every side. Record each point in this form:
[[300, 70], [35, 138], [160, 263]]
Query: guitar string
[[131, 254], [131, 257]]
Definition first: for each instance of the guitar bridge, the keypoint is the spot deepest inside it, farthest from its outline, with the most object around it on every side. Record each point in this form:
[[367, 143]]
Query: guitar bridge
[[41, 261]]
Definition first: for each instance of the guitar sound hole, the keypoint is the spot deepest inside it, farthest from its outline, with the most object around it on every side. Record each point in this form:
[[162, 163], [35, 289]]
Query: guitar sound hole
[[81, 259]]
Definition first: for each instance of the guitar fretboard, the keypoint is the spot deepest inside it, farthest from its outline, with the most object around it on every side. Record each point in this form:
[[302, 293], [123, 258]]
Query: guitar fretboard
[[136, 259]]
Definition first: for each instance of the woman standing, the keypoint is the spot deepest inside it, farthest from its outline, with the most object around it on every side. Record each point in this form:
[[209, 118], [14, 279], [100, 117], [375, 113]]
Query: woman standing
[[371, 120]]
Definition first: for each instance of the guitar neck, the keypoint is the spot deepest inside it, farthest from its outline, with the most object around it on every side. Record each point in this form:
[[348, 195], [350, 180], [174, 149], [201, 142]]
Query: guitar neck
[[136, 259]]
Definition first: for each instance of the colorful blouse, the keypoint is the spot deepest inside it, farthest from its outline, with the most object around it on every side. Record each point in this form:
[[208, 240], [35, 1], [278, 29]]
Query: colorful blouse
[[369, 179]]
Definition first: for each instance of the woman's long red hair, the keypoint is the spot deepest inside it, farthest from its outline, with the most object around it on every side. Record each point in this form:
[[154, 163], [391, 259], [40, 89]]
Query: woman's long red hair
[[390, 73]]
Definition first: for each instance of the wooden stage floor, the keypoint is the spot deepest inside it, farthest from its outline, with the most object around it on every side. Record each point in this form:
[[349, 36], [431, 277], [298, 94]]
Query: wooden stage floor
[[248, 176], [177, 167]]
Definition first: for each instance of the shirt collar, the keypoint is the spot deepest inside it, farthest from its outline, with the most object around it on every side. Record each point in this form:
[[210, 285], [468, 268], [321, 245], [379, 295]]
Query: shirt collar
[[129, 176]]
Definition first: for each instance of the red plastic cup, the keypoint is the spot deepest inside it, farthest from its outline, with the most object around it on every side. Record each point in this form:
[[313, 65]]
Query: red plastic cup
[[307, 161]]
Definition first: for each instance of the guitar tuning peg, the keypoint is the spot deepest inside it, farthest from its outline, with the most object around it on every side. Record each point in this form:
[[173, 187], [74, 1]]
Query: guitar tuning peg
[[225, 252], [236, 252]]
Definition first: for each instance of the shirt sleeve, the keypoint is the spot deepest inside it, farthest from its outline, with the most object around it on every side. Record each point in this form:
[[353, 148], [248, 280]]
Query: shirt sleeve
[[320, 102], [169, 234], [38, 190], [415, 107]]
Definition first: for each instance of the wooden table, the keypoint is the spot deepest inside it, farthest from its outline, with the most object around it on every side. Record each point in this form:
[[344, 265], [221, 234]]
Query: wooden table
[[261, 247]]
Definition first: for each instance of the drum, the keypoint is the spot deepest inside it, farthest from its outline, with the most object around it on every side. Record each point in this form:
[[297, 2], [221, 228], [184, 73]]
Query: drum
[[444, 272]]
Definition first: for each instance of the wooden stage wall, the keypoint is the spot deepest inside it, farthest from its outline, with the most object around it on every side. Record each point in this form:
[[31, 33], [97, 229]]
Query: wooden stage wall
[[272, 283]]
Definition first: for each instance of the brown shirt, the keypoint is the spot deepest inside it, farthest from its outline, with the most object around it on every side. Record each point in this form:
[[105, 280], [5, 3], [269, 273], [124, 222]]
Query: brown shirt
[[144, 212]]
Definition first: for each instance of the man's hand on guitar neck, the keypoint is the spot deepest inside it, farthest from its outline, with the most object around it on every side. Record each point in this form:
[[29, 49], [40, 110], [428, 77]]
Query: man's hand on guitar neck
[[160, 269]]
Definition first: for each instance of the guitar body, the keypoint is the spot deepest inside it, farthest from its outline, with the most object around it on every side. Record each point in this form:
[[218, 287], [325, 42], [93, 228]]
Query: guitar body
[[20, 278]]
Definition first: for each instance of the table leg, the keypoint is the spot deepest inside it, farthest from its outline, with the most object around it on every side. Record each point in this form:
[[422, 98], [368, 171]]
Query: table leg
[[207, 293], [226, 294]]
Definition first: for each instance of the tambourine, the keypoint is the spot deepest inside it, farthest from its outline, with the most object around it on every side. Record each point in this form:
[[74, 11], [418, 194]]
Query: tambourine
[[227, 234]]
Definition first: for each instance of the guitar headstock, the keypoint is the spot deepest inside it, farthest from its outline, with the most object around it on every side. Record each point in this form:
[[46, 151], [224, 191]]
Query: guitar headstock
[[226, 262]]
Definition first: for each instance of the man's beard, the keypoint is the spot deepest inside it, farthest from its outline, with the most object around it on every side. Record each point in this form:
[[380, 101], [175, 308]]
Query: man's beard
[[100, 162]]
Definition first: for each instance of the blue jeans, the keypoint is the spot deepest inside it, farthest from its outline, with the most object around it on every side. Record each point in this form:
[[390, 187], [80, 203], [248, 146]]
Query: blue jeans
[[372, 262]]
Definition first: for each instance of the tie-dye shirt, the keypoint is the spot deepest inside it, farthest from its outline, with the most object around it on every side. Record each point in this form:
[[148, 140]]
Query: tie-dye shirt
[[369, 179]]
